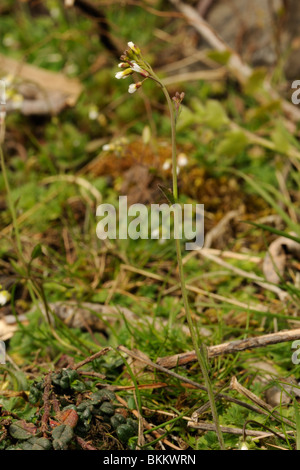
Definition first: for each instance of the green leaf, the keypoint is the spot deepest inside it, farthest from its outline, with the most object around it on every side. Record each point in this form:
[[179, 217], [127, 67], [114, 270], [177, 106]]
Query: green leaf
[[167, 193], [186, 118], [255, 81], [233, 144], [21, 430], [281, 138], [221, 57], [62, 435], [273, 230], [36, 252], [213, 114], [36, 443], [124, 432]]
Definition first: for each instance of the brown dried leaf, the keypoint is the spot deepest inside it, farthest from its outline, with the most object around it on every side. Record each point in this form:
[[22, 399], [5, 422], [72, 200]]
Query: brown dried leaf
[[8, 326], [44, 91], [276, 396], [6, 331], [275, 260]]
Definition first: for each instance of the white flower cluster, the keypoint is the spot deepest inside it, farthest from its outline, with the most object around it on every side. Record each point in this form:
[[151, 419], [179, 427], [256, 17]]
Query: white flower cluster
[[130, 65], [4, 297]]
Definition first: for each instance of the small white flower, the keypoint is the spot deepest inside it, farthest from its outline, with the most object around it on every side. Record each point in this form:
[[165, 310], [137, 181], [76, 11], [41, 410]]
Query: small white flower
[[107, 147], [17, 101], [133, 87], [93, 113], [4, 297], [124, 73], [182, 159], [8, 40], [120, 75], [244, 446], [133, 47], [123, 65], [155, 233], [8, 80], [136, 68], [167, 165]]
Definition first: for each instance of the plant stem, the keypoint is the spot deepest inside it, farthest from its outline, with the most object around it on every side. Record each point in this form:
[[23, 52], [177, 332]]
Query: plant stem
[[200, 356], [11, 205]]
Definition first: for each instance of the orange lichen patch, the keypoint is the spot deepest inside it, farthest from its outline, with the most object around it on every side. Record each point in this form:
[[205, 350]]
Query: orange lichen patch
[[114, 163]]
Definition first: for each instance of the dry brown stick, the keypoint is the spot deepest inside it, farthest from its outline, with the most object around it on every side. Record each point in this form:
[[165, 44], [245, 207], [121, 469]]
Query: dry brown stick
[[84, 445], [211, 427], [235, 64], [218, 396], [47, 406], [92, 358], [248, 275], [235, 385], [230, 348], [237, 431], [118, 388], [13, 393], [223, 253], [209, 75], [92, 374]]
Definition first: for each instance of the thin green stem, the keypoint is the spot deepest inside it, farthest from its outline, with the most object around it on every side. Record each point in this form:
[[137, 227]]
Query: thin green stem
[[11, 205], [200, 356]]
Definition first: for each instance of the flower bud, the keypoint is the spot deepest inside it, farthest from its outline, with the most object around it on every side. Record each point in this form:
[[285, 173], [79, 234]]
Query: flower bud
[[124, 73], [134, 86], [123, 65], [136, 68], [134, 48], [4, 297]]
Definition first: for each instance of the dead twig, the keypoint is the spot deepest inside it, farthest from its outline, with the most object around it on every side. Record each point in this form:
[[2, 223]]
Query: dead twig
[[92, 358], [83, 444], [46, 406], [228, 430], [235, 385], [218, 396], [240, 272], [209, 75], [92, 374], [232, 347]]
